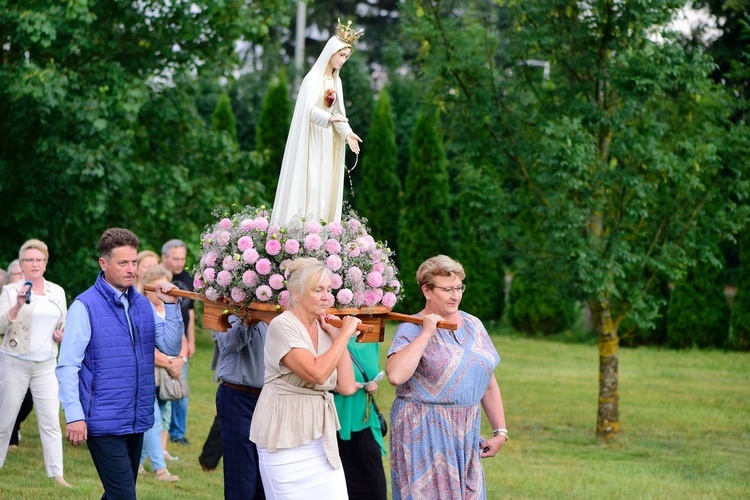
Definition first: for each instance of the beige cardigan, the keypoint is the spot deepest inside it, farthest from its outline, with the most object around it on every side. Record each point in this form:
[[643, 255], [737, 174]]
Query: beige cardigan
[[17, 333]]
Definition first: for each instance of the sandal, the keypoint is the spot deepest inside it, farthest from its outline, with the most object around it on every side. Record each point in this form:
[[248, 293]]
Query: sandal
[[165, 475], [169, 457], [141, 469]]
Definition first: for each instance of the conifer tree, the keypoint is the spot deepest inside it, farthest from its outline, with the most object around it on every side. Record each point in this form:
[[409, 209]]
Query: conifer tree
[[739, 337], [479, 237], [378, 193], [698, 311], [272, 131], [222, 119], [425, 226]]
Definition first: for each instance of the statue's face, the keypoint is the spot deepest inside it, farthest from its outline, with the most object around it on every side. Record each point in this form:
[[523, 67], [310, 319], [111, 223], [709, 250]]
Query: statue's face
[[339, 58]]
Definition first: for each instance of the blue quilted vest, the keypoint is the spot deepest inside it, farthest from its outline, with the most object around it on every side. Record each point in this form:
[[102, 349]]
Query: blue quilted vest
[[116, 381]]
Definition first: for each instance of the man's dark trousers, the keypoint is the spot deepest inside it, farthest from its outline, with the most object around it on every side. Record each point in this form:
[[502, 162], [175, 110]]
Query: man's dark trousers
[[116, 459]]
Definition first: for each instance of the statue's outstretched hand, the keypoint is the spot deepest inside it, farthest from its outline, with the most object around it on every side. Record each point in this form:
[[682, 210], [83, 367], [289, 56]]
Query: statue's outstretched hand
[[353, 140]]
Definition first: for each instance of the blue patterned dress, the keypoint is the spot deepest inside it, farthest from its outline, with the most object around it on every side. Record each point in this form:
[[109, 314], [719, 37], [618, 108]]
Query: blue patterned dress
[[436, 417]]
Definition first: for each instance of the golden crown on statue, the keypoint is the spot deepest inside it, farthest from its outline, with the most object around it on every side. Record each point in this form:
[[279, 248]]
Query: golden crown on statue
[[347, 34]]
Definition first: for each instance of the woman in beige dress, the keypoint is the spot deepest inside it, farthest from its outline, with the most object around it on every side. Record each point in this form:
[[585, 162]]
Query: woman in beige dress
[[295, 421]]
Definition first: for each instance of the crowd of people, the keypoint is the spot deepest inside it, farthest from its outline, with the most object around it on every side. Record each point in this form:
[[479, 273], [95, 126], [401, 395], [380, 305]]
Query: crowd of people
[[295, 409]]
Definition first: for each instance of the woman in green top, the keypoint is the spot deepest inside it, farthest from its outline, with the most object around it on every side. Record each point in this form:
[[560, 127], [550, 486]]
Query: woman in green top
[[360, 438]]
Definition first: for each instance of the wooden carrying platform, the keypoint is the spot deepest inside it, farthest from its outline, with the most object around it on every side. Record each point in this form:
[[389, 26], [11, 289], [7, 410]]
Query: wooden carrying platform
[[216, 315]]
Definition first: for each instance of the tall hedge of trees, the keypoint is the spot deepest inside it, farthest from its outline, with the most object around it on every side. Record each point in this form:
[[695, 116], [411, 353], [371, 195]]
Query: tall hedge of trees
[[379, 191], [425, 229], [537, 304], [272, 131], [698, 310], [739, 337]]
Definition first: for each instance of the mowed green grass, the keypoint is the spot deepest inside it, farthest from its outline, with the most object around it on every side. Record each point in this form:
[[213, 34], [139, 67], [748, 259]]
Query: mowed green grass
[[685, 420]]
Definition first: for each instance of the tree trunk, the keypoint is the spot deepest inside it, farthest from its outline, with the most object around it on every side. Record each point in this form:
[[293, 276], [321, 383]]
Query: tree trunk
[[608, 412]]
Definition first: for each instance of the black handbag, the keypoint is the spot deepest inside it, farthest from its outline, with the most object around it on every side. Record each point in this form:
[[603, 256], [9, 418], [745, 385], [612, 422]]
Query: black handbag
[[381, 418]]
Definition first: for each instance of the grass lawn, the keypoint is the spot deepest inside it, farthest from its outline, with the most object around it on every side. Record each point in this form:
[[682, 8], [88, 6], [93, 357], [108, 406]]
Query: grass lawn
[[685, 420]]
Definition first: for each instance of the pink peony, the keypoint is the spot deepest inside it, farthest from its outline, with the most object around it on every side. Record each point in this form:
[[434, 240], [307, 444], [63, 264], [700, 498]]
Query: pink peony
[[238, 294], [312, 242], [225, 223], [209, 274], [284, 263], [358, 299], [264, 293], [250, 278], [224, 278], [312, 227], [375, 279], [274, 230], [344, 296], [333, 262], [336, 281], [355, 275], [335, 228], [389, 300], [250, 256], [212, 294], [354, 224], [261, 223], [395, 285], [354, 250], [197, 281], [247, 225], [333, 246], [211, 258], [228, 263], [291, 247], [379, 267], [263, 266], [273, 247], [284, 298], [276, 281], [244, 243]]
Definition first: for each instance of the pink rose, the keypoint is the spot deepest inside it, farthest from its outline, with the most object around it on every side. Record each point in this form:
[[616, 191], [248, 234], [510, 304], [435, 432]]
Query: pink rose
[[354, 250], [212, 294], [264, 293], [333, 246], [335, 228], [244, 243], [222, 238], [354, 224], [225, 223], [312, 242], [250, 256], [238, 294], [291, 247], [395, 285], [211, 258], [333, 262], [375, 279], [209, 274], [379, 267], [197, 282], [312, 227], [276, 281], [250, 278], [389, 300], [224, 278], [344, 296], [336, 281], [273, 247], [263, 266]]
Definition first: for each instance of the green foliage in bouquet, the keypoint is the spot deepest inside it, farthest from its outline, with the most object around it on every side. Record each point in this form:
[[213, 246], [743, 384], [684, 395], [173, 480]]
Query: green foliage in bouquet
[[243, 259]]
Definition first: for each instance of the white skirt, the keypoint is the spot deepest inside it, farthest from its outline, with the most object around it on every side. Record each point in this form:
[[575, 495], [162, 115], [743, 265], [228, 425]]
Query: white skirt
[[300, 473]]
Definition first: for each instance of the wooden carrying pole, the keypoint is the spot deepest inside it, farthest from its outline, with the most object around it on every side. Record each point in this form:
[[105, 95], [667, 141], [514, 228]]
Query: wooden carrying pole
[[372, 328]]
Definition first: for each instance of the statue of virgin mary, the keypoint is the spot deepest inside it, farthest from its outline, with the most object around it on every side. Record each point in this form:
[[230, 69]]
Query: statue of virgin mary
[[311, 182]]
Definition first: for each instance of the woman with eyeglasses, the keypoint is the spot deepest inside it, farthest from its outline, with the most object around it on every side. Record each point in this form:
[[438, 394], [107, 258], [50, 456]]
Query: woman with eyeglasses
[[442, 378], [32, 318]]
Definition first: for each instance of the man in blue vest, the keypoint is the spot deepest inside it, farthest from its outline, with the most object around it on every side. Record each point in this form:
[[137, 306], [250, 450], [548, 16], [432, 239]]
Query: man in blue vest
[[106, 364]]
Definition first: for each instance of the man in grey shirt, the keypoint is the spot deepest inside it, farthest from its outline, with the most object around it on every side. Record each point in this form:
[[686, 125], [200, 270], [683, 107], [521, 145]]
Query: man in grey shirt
[[240, 372]]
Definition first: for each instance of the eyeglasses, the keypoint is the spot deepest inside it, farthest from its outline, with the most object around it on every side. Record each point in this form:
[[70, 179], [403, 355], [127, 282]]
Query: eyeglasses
[[449, 289], [38, 261]]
